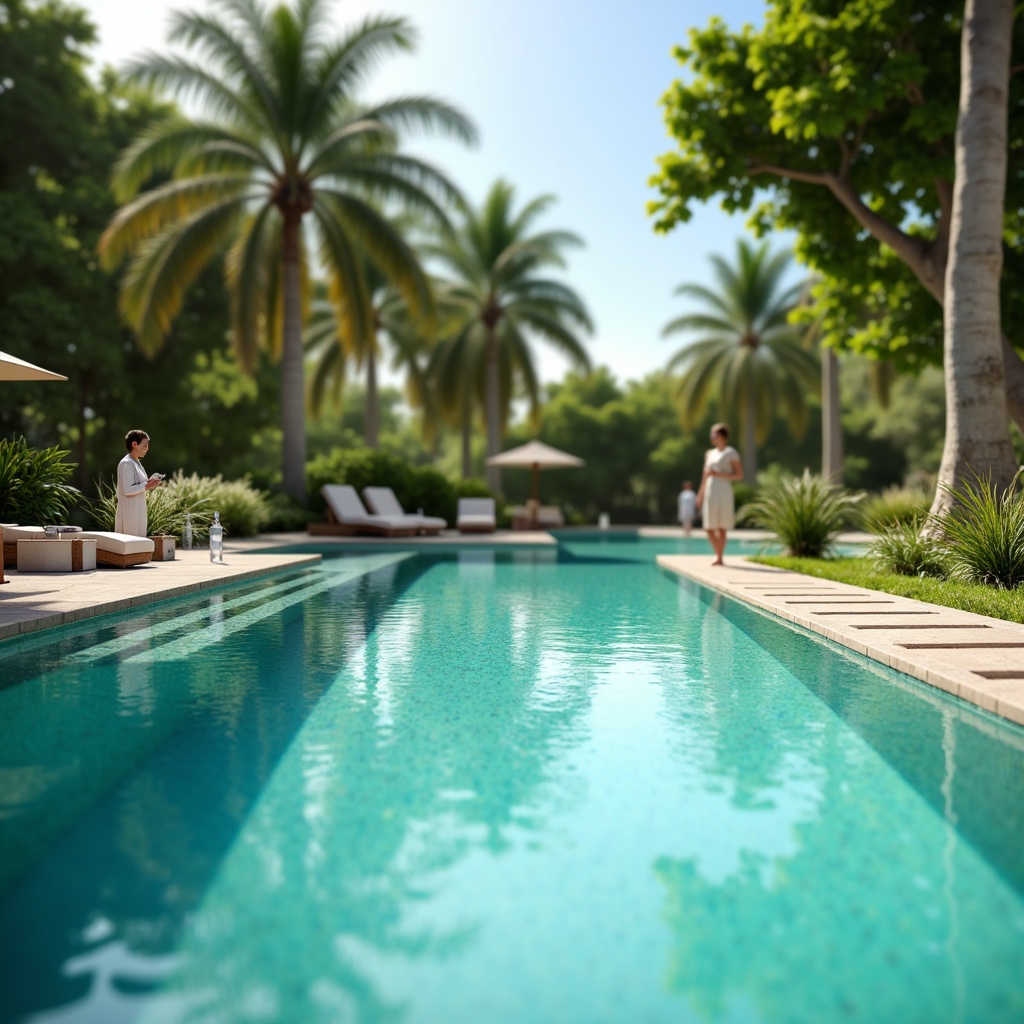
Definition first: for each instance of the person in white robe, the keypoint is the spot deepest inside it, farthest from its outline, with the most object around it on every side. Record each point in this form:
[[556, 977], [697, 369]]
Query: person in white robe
[[132, 485]]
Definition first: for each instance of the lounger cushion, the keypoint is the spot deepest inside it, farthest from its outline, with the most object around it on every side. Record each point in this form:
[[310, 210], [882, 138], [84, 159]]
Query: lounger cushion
[[383, 502], [471, 522], [118, 543], [476, 507], [12, 534], [344, 503]]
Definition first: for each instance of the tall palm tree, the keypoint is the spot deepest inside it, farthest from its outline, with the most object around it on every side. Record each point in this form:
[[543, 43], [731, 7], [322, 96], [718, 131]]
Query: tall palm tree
[[501, 300], [750, 360], [284, 164], [332, 343]]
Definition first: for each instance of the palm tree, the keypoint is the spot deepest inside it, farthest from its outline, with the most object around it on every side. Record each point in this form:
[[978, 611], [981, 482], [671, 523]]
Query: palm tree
[[750, 360], [333, 343], [285, 168], [500, 300]]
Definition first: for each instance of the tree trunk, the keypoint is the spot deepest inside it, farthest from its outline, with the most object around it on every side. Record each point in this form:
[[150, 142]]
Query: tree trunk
[[467, 441], [82, 473], [293, 397], [748, 456], [493, 410], [977, 438], [371, 414], [831, 421]]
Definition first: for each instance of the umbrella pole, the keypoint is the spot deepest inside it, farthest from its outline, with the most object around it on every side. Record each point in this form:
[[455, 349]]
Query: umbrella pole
[[536, 495]]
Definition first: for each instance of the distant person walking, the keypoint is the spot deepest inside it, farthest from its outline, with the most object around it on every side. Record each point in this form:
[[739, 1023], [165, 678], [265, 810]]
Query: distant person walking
[[132, 485], [687, 507], [721, 467]]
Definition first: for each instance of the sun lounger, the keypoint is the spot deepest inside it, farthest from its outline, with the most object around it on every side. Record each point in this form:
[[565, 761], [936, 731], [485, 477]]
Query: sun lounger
[[548, 517], [117, 549], [346, 516], [382, 502], [476, 515]]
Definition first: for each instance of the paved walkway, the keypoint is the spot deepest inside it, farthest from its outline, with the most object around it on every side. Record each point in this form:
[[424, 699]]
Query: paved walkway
[[972, 656], [32, 601]]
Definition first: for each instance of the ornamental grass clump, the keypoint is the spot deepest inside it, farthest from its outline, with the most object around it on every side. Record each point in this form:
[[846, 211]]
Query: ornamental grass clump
[[984, 533], [894, 505], [904, 549], [805, 513]]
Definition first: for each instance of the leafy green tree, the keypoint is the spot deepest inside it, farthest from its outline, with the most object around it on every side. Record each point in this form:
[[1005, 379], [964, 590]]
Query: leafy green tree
[[749, 360], [284, 164], [839, 123], [496, 258]]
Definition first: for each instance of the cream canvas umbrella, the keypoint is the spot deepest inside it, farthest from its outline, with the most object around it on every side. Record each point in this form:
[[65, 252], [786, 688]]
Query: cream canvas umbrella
[[536, 456], [13, 368]]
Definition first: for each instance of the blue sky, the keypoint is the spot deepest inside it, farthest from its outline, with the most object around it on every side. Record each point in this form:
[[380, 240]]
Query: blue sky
[[565, 93]]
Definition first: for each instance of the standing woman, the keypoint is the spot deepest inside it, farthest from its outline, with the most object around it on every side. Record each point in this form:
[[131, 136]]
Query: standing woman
[[721, 467], [132, 484]]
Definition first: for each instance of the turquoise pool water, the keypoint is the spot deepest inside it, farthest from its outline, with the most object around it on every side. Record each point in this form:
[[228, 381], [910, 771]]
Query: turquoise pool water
[[539, 786]]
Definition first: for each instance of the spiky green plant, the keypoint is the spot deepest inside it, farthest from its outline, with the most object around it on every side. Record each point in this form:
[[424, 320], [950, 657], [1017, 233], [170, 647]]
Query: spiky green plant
[[33, 484], [498, 300], [903, 548], [984, 532], [806, 513], [748, 359], [894, 506], [285, 168]]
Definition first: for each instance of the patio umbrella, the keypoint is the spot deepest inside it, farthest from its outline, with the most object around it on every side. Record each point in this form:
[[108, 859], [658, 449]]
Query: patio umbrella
[[536, 456], [13, 368]]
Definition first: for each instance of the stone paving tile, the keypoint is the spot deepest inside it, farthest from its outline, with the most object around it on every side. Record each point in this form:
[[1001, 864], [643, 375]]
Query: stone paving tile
[[31, 601], [945, 648]]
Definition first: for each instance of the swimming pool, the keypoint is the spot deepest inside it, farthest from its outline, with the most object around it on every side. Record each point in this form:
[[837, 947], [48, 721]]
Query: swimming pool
[[547, 785]]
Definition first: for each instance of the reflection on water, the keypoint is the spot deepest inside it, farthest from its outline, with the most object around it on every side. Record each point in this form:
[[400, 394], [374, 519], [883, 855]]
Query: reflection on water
[[551, 787]]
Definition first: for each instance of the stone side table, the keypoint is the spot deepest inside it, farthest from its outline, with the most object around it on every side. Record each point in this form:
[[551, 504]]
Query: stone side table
[[163, 547], [56, 554]]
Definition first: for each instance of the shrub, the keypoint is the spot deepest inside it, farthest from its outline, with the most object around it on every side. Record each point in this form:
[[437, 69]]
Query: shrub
[[894, 506], [243, 510], [286, 515], [805, 513], [984, 533], [902, 548], [33, 484]]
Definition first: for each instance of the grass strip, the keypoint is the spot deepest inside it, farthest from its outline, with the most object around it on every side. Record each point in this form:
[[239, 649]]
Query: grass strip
[[969, 597]]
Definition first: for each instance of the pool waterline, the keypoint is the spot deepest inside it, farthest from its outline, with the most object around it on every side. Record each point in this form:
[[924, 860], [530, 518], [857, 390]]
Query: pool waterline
[[516, 786]]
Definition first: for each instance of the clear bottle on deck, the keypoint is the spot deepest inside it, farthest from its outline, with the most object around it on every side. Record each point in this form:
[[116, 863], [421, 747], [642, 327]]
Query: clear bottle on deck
[[186, 533], [216, 539]]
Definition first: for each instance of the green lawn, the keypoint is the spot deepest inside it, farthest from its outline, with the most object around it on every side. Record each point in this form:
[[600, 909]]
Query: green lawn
[[970, 597]]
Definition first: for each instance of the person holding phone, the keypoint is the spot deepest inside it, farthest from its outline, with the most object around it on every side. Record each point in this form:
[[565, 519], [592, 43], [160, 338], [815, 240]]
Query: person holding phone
[[132, 485]]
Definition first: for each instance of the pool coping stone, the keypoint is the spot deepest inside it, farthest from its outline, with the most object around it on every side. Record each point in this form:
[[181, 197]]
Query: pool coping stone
[[953, 669]]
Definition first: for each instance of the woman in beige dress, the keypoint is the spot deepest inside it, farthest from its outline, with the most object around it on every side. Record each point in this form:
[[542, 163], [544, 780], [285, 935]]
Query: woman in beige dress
[[132, 485], [721, 467]]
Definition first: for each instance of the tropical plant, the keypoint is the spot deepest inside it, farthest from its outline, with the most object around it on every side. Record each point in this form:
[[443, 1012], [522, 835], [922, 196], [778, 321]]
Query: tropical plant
[[894, 506], [332, 344], [903, 548], [33, 483], [805, 513], [750, 361], [283, 145], [983, 530], [243, 509], [498, 300]]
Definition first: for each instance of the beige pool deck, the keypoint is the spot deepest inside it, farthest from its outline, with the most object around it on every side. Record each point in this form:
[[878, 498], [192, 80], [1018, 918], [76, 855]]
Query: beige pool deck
[[977, 658]]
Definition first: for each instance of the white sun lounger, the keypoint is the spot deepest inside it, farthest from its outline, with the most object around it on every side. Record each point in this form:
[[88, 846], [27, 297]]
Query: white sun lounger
[[476, 515], [382, 502], [346, 515]]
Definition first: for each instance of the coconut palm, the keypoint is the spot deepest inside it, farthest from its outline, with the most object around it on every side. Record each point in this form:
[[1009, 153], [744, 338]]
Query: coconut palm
[[284, 166], [750, 360], [333, 344], [500, 300]]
